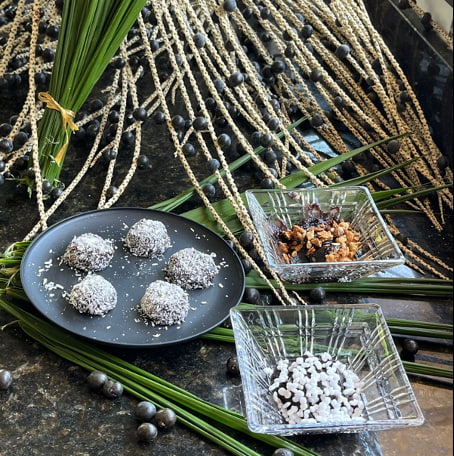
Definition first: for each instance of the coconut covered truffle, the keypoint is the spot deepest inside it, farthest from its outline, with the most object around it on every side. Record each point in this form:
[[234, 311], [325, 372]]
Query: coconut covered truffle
[[164, 303], [89, 252], [147, 238], [93, 295], [191, 269]]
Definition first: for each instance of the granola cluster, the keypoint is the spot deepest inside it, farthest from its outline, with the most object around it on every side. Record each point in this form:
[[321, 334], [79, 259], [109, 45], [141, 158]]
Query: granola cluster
[[330, 240]]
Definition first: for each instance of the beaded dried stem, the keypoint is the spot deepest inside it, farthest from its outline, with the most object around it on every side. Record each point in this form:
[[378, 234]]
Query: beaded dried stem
[[368, 80]]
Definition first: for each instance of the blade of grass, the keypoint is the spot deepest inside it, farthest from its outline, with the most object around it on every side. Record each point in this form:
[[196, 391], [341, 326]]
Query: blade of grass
[[91, 357]]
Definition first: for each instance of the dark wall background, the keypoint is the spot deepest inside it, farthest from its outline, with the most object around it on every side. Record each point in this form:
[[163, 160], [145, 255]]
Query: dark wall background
[[426, 60]]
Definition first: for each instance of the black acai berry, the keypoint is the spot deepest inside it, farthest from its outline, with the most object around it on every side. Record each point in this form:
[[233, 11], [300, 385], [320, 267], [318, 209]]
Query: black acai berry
[[289, 51], [306, 31], [252, 296], [143, 162], [5, 129], [147, 432], [96, 380], [393, 146], [200, 40], [165, 418], [267, 183], [316, 75], [6, 379], [342, 51], [189, 150], [266, 140], [278, 66], [46, 187], [246, 240], [283, 452], [236, 79], [127, 138], [159, 118], [145, 411], [109, 154], [409, 349], [140, 114], [224, 141], [317, 295], [200, 123], [273, 123], [232, 366], [247, 266], [112, 389], [178, 121], [213, 165], [56, 193], [229, 6], [6, 146], [219, 85], [317, 120], [209, 190]]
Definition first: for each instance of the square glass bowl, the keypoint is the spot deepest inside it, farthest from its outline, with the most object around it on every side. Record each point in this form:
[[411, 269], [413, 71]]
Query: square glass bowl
[[273, 209], [356, 335]]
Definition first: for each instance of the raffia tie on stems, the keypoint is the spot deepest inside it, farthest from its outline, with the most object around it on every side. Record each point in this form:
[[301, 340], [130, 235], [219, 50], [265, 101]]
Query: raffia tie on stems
[[66, 118]]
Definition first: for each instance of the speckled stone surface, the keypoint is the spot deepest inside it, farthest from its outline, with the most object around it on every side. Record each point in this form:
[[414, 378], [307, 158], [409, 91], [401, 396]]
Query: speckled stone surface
[[49, 410]]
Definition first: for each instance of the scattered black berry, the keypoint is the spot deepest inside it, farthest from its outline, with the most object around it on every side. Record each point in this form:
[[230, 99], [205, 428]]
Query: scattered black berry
[[224, 140], [143, 161], [6, 146], [306, 31], [189, 150], [200, 123], [246, 240], [140, 114], [5, 379], [232, 366], [317, 120], [342, 51], [213, 165], [283, 452], [96, 380], [317, 295], [393, 146], [252, 295], [165, 418], [159, 118], [200, 40], [230, 6], [112, 389], [316, 75], [410, 346], [247, 266], [145, 411], [178, 121], [147, 432], [236, 79], [209, 190]]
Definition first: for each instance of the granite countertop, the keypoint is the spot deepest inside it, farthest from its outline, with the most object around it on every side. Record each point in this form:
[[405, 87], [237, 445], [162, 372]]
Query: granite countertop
[[50, 410]]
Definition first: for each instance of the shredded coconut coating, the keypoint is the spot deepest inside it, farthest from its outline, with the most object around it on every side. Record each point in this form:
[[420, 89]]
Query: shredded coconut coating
[[88, 252], [316, 389], [147, 238], [93, 295], [164, 303], [191, 269]]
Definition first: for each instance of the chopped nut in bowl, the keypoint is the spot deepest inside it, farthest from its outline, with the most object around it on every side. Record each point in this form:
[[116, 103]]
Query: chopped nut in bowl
[[322, 234]]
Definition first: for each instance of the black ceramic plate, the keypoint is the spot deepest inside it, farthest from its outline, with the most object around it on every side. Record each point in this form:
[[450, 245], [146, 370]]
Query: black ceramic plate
[[46, 280]]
